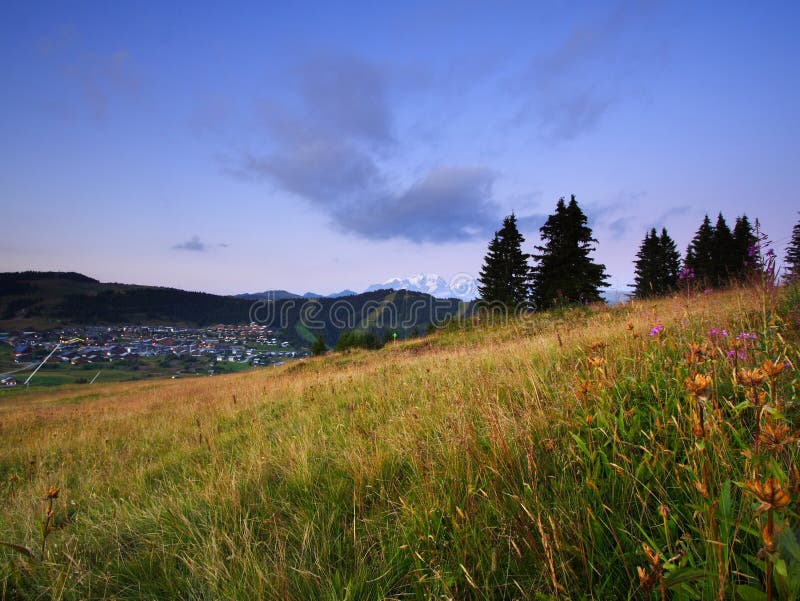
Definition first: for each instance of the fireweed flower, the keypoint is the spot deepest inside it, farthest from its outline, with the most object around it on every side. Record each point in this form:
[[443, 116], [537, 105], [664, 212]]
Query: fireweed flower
[[656, 330], [686, 273]]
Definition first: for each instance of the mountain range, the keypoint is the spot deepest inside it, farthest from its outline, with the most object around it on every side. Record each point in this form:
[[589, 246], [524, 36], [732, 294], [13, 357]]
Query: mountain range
[[426, 283], [45, 300], [463, 288]]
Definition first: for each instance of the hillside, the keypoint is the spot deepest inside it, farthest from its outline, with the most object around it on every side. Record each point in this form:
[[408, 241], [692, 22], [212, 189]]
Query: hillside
[[52, 299], [604, 453]]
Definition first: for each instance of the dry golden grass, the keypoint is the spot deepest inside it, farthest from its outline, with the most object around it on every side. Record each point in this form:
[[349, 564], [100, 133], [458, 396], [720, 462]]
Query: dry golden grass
[[504, 461]]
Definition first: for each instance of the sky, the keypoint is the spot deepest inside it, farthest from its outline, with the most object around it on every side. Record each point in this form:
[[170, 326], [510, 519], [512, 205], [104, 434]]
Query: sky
[[321, 146]]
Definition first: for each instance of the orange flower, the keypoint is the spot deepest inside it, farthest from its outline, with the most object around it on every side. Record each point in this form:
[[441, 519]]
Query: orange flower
[[698, 386], [770, 492], [752, 377], [772, 368], [597, 345], [774, 436], [52, 493], [596, 362]]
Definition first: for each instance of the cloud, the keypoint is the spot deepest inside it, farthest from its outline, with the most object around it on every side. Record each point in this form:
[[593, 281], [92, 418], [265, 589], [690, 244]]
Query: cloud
[[529, 224], [193, 244], [330, 147], [104, 77], [567, 92], [448, 204], [620, 227]]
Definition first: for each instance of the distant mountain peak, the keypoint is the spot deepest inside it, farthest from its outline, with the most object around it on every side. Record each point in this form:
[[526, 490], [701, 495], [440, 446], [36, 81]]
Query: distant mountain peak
[[429, 283]]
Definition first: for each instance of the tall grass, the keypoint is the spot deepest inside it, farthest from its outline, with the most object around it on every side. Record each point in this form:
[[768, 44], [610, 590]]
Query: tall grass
[[582, 454]]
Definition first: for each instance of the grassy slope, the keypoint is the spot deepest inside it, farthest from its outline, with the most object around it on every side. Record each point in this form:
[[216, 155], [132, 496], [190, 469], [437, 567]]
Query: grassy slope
[[466, 465]]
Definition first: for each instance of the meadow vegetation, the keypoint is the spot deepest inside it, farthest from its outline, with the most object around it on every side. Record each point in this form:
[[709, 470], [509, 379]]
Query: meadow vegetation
[[644, 451]]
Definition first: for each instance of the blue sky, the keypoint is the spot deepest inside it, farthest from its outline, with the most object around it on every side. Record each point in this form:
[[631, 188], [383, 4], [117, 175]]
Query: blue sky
[[334, 145]]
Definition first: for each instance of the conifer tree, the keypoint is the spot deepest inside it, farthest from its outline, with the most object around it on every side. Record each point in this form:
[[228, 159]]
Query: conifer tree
[[658, 265], [564, 272], [723, 253], [319, 347], [792, 260], [670, 260], [744, 239], [505, 275], [646, 269], [699, 253]]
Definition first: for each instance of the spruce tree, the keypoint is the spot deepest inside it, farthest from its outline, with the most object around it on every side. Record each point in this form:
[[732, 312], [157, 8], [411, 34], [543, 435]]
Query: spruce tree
[[658, 265], [670, 260], [699, 253], [505, 275], [564, 272], [646, 270], [723, 253], [792, 260], [744, 239]]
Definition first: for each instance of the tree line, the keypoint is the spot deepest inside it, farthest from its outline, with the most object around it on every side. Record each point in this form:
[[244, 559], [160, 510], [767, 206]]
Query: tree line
[[563, 271]]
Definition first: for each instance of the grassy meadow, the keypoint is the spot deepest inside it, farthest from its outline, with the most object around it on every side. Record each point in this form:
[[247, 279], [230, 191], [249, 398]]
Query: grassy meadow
[[642, 451]]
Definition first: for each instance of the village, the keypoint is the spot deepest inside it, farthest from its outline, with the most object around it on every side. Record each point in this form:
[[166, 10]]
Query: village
[[207, 351]]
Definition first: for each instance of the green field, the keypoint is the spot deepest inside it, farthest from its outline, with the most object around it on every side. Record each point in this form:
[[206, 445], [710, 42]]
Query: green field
[[57, 374]]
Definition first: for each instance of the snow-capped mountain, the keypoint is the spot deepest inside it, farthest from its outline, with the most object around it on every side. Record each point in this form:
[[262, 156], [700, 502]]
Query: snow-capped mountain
[[429, 283]]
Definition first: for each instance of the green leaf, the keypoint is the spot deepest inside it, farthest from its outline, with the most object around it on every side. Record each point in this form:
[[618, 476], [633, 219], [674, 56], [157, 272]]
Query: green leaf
[[749, 593], [780, 568], [679, 575]]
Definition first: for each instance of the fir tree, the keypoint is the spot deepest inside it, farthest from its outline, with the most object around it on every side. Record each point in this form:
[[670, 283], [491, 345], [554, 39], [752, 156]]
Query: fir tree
[[792, 260], [699, 253], [505, 275], [564, 272], [658, 265], [723, 253]]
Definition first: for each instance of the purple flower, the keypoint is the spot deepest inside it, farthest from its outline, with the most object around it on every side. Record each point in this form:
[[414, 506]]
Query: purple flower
[[707, 291], [713, 332], [656, 330], [747, 336], [687, 273]]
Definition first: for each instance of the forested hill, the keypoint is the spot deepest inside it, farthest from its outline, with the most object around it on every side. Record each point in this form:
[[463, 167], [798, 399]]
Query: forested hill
[[44, 300]]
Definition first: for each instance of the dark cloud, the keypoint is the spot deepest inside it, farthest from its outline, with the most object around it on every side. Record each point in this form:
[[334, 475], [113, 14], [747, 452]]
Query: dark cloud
[[448, 204], [323, 171], [193, 244], [329, 149]]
